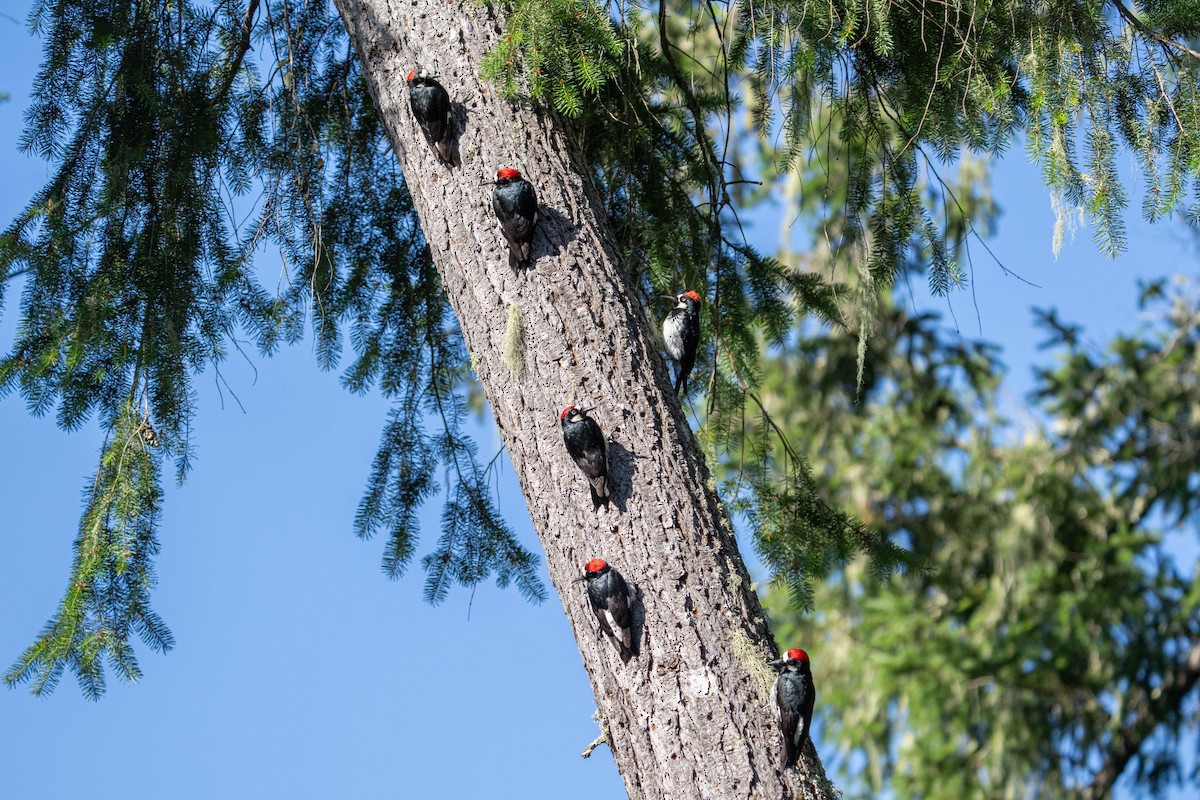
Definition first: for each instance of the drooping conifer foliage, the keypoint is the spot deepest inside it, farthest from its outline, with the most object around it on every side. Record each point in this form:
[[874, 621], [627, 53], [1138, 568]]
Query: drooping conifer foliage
[[186, 140], [860, 109], [179, 156], [912, 83]]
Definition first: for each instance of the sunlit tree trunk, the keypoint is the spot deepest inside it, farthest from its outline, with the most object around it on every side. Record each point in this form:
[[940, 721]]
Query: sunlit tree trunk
[[689, 717]]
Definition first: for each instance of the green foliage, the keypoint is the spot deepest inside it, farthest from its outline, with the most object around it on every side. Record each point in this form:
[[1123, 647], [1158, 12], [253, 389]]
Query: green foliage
[[1030, 655], [650, 162], [175, 163], [555, 51], [177, 158], [796, 531], [917, 83], [108, 594]]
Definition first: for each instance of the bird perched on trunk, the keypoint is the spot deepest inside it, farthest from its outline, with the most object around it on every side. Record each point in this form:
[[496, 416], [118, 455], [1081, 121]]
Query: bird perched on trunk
[[516, 206], [612, 602], [587, 446], [792, 699], [431, 106], [681, 334]]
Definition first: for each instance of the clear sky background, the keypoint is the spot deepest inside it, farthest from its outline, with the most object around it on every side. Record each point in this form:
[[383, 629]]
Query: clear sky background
[[300, 671]]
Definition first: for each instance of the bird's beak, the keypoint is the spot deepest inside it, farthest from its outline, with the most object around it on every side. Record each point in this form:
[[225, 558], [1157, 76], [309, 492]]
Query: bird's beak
[[667, 297], [580, 578], [776, 663]]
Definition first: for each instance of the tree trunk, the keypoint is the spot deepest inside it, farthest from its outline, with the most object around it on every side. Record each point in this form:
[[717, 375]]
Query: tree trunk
[[688, 717]]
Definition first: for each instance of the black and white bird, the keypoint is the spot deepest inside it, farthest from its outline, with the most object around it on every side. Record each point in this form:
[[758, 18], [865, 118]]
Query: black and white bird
[[792, 699], [681, 335], [431, 106], [516, 206], [587, 446], [612, 600]]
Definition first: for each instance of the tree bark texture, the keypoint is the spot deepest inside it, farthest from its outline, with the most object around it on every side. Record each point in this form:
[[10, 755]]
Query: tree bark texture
[[689, 716]]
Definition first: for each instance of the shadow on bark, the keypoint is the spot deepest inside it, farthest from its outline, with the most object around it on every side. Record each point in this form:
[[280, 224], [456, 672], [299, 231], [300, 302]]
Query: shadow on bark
[[620, 474], [554, 232]]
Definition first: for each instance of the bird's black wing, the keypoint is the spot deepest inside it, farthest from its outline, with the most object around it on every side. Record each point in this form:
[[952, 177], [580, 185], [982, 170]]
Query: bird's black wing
[[616, 616], [594, 463], [788, 714], [522, 217], [440, 124], [691, 339], [527, 208], [806, 710], [600, 609], [619, 606]]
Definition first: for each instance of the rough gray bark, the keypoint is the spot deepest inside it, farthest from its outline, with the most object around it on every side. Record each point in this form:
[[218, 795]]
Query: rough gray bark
[[688, 718]]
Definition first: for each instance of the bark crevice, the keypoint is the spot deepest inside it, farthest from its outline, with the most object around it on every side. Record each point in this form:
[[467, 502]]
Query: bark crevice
[[686, 718]]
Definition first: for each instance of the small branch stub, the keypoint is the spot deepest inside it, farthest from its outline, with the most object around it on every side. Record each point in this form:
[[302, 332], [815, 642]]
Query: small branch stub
[[599, 740]]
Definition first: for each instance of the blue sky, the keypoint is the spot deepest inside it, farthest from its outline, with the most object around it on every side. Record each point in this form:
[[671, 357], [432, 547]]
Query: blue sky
[[300, 671]]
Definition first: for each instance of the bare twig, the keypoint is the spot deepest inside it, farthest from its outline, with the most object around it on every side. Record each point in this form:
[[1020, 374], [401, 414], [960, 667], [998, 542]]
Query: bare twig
[[1163, 40], [243, 47]]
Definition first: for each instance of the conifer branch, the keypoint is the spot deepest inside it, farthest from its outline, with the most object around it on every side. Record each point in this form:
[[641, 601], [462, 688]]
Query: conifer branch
[[243, 46], [1163, 40], [1150, 710], [714, 177]]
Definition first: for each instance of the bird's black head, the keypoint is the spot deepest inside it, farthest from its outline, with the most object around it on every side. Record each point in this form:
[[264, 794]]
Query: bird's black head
[[794, 660], [507, 175], [419, 77], [593, 569], [687, 300], [572, 414]]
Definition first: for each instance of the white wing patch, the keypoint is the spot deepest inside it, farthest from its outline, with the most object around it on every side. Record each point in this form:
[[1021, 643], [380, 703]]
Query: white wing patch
[[622, 633]]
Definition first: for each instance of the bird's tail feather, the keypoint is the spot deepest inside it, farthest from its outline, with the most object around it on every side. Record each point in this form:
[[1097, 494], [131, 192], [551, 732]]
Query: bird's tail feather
[[597, 498], [791, 753]]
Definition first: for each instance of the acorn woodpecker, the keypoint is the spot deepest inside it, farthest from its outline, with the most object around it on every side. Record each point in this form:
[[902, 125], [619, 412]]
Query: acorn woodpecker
[[587, 446], [792, 700], [431, 106], [516, 207], [612, 602], [681, 334]]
